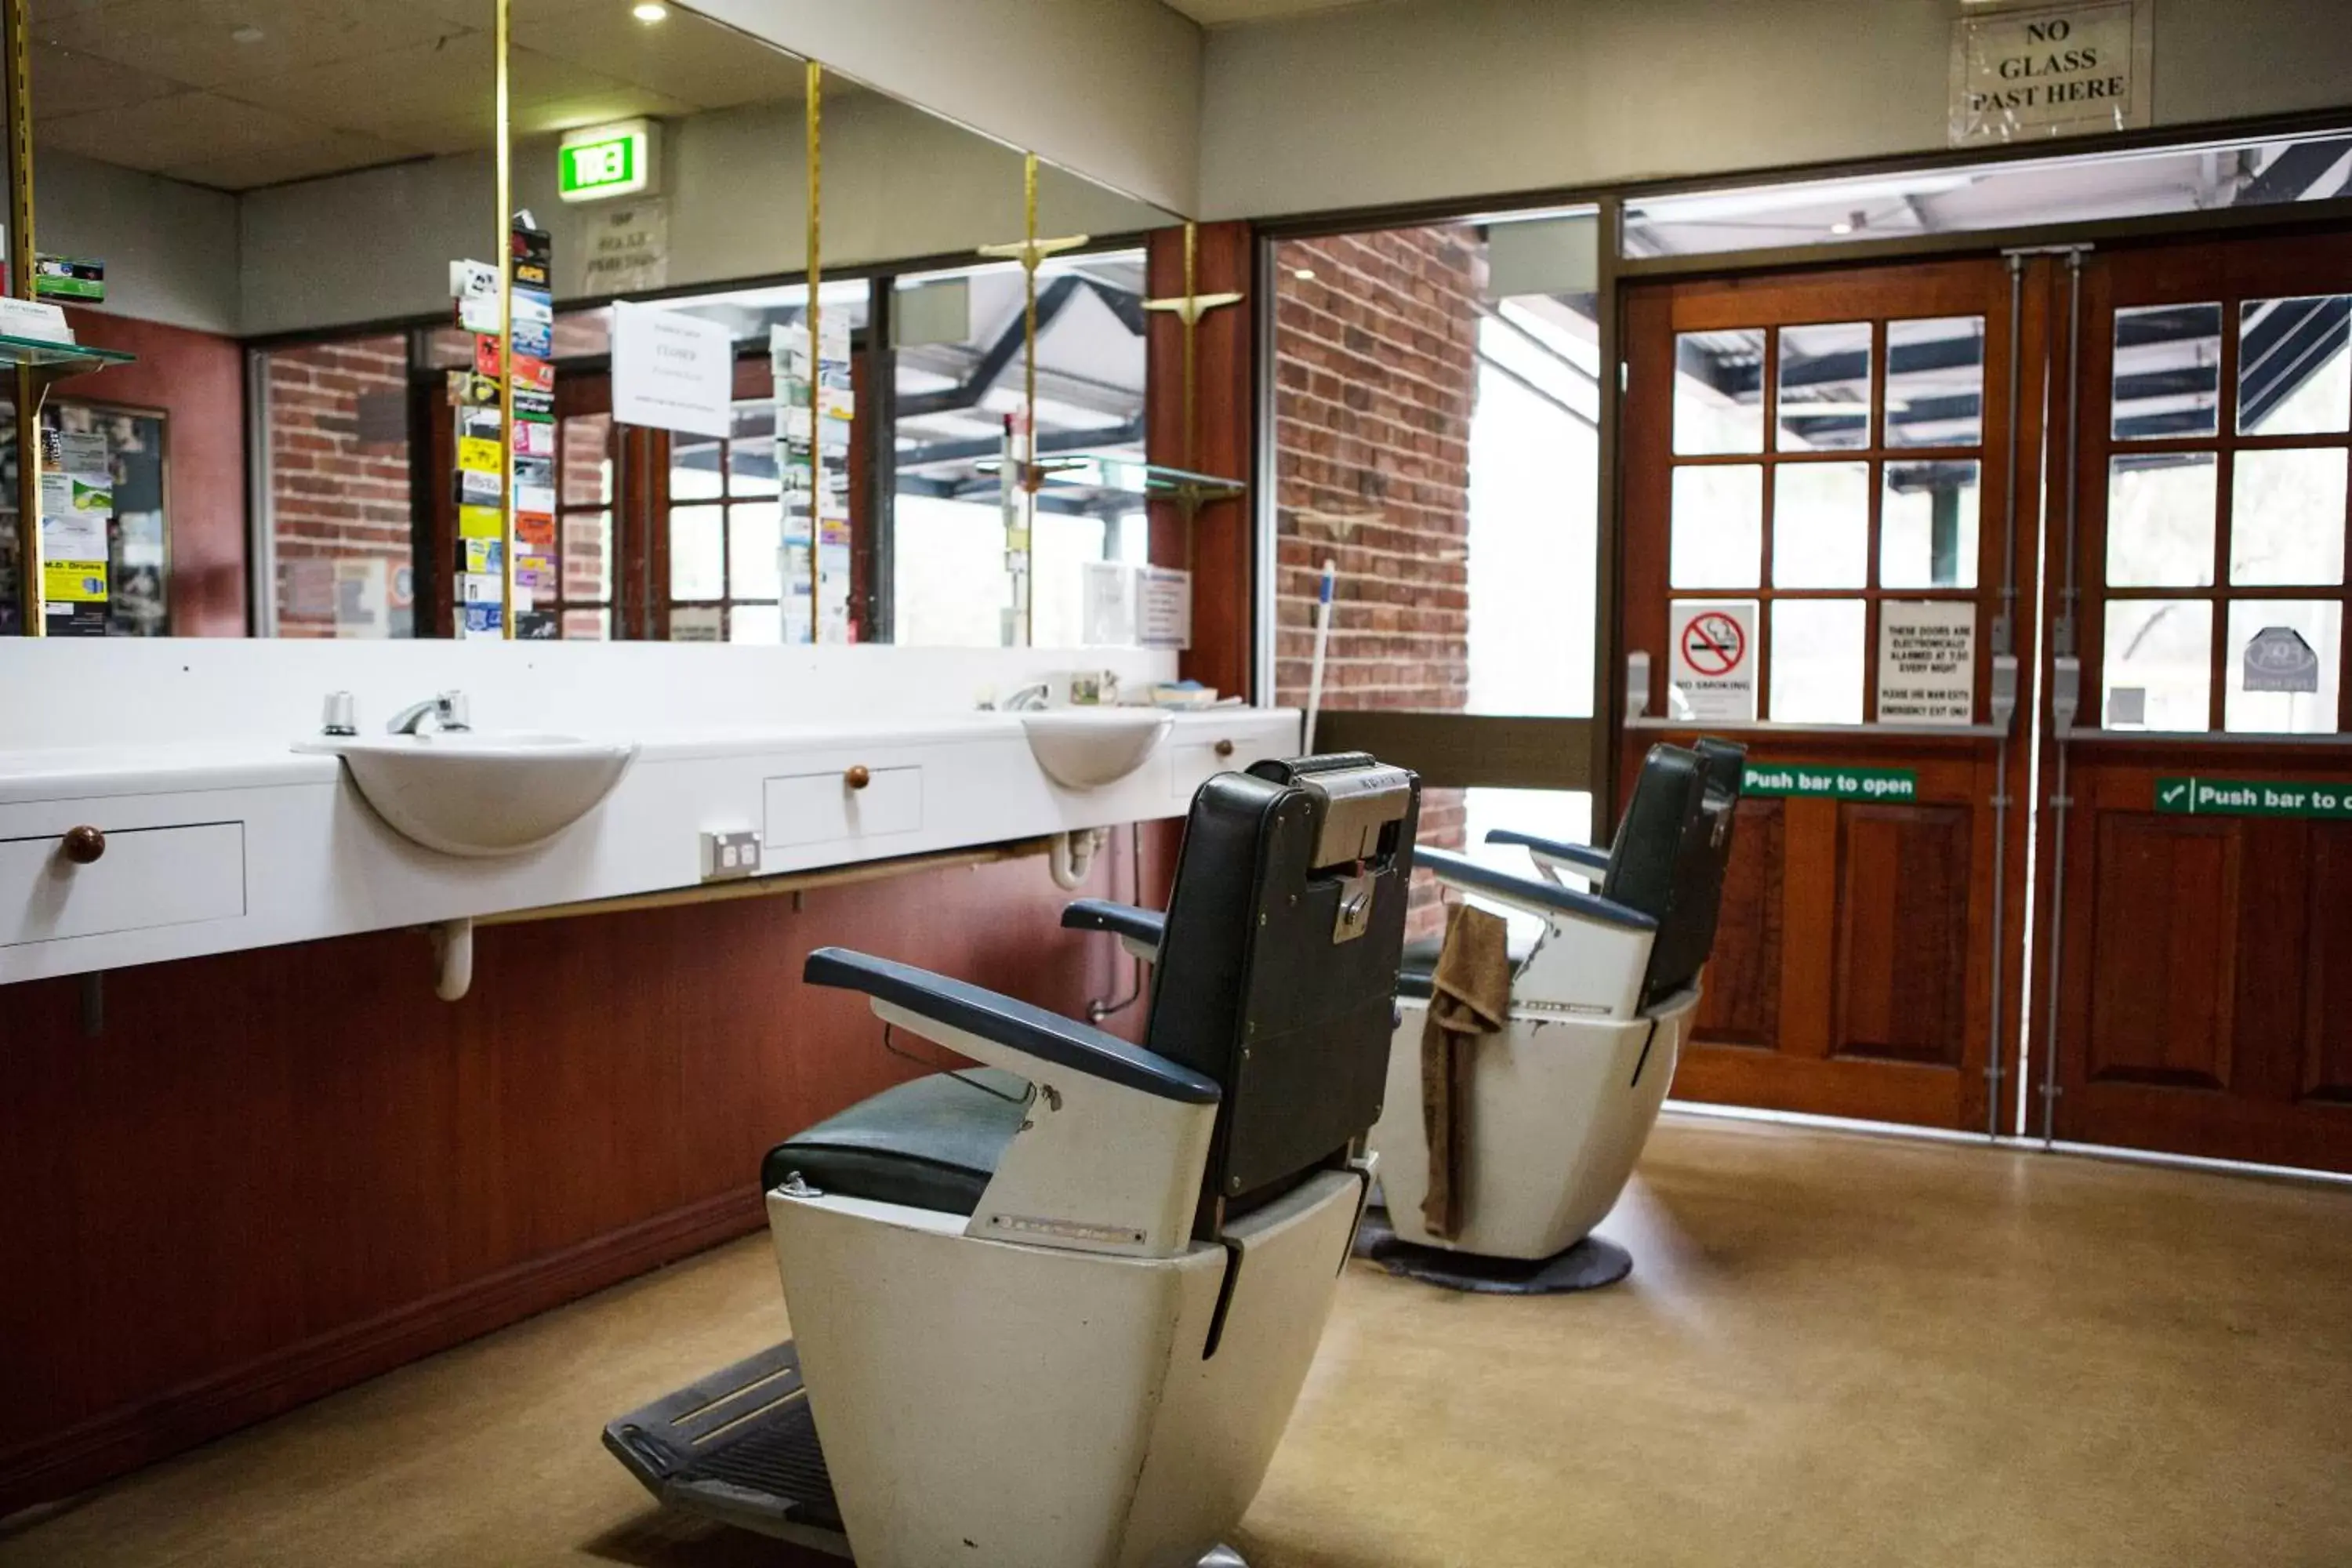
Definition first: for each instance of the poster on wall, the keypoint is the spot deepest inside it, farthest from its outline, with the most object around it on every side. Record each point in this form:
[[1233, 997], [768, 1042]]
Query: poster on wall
[[1711, 670], [671, 371], [2023, 73], [1927, 662]]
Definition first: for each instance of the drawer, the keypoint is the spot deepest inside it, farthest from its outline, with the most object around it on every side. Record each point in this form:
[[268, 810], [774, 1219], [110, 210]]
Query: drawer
[[1195, 763], [147, 877], [821, 808]]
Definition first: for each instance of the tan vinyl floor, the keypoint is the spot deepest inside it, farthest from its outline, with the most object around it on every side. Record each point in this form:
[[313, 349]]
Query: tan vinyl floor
[[1833, 1350]]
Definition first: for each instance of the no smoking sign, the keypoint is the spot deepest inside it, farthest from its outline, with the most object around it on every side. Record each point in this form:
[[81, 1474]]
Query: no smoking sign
[[1713, 666]]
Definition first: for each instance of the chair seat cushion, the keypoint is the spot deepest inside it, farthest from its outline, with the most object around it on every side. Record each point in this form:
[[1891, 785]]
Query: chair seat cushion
[[932, 1144], [1420, 962]]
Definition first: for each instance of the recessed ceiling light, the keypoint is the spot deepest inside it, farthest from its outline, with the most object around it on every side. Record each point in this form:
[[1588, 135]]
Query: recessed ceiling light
[[650, 11], [247, 34], [1304, 273]]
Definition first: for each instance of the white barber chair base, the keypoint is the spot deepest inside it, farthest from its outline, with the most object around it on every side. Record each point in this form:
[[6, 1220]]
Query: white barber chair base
[[1560, 1108], [996, 1405]]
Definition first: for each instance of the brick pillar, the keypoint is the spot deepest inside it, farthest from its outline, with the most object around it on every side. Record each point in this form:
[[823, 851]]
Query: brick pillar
[[333, 496], [1375, 373]]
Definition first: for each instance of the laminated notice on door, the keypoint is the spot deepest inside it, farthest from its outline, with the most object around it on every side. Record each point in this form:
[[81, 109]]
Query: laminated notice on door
[[1711, 674], [1927, 662], [1163, 607]]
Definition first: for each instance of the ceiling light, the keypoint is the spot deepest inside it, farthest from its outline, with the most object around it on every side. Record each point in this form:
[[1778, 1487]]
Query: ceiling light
[[650, 11], [247, 34], [1304, 273]]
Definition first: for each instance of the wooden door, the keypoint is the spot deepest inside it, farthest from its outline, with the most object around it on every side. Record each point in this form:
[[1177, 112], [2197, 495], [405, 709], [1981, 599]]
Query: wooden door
[[1825, 449], [2203, 930]]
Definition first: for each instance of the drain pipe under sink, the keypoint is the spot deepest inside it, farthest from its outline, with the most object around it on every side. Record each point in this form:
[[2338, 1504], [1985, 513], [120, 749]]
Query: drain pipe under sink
[[1073, 857], [453, 958]]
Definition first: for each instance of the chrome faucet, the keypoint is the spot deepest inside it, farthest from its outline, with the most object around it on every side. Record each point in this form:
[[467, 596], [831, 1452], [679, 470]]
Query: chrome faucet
[[1029, 699], [448, 711]]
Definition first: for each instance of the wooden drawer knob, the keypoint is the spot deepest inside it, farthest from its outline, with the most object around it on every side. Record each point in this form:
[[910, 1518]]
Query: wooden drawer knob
[[1225, 747], [83, 845], [858, 776]]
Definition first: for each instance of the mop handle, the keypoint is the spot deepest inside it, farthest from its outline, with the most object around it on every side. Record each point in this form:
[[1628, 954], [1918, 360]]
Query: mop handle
[[1322, 640]]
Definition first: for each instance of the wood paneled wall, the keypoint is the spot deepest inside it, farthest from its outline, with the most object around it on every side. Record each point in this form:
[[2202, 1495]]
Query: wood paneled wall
[[274, 1173]]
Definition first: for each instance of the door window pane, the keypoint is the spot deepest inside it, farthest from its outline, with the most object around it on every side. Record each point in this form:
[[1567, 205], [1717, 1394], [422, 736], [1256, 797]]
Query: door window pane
[[1718, 526], [1718, 392], [2168, 372], [755, 623], [1928, 525], [2319, 622], [2294, 375], [1817, 662], [1935, 382], [2161, 522], [2286, 516], [1824, 387], [693, 470], [698, 562], [751, 454], [1820, 525], [2159, 664], [754, 534]]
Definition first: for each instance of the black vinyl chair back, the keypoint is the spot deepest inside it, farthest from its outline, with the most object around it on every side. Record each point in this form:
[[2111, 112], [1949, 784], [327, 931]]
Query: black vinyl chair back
[[1252, 988], [1669, 856]]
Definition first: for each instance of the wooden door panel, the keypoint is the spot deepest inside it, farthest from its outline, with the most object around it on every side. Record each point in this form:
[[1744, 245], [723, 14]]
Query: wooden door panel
[[2326, 1055], [1740, 1004], [1903, 936], [2161, 981]]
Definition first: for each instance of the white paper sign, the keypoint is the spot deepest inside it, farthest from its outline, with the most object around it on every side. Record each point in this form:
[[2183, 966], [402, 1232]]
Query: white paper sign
[[1927, 663], [1163, 607], [2056, 70], [1711, 668], [624, 248], [671, 371]]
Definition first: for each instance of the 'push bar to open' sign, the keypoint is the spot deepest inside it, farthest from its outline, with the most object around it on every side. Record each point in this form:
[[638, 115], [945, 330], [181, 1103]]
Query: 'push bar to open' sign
[[2251, 797], [1824, 781]]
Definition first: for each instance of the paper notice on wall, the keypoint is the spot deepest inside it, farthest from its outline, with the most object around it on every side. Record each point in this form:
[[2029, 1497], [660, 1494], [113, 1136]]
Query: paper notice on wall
[[2023, 74], [1163, 607], [672, 371], [1711, 673], [361, 597], [1927, 662]]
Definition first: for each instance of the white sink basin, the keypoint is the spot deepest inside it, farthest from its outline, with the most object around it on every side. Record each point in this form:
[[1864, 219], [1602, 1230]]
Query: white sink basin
[[482, 793], [1087, 748]]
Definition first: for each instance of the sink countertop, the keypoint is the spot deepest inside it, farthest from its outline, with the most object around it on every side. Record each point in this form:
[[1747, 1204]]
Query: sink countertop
[[130, 769]]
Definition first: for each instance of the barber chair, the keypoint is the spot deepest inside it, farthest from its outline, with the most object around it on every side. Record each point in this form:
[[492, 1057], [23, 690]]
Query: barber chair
[[1053, 1312], [1602, 1000], [1564, 1098]]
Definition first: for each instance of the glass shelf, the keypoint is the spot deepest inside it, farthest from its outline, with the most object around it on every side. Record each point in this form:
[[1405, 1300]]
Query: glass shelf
[[1119, 473], [41, 354]]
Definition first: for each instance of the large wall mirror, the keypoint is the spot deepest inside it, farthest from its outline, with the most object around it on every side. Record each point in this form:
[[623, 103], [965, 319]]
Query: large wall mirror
[[277, 204]]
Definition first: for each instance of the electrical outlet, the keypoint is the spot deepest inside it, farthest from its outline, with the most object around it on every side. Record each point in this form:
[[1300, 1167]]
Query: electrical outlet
[[726, 856]]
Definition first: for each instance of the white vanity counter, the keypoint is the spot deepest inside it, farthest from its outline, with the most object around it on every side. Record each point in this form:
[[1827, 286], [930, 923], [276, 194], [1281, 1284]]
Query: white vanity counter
[[220, 835]]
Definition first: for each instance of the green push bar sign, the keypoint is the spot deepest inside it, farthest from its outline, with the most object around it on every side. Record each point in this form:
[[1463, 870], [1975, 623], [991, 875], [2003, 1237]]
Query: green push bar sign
[[2251, 797], [1824, 781]]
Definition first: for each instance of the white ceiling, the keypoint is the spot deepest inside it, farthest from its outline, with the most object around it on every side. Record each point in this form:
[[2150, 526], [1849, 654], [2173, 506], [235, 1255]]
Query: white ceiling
[[186, 88], [1225, 12]]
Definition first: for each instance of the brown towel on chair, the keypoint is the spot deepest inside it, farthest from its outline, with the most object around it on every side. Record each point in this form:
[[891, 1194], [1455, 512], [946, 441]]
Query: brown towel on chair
[[1469, 996]]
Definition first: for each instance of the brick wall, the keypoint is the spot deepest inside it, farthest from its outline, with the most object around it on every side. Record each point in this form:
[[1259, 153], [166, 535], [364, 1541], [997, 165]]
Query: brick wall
[[1375, 363], [332, 495]]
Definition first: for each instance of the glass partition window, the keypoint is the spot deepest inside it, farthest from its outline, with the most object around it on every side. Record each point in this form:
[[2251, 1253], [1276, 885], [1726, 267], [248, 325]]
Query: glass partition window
[[2225, 550], [726, 532], [1872, 488]]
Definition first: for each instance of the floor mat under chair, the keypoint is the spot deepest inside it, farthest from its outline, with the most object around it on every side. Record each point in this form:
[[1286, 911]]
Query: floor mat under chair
[[1587, 1266]]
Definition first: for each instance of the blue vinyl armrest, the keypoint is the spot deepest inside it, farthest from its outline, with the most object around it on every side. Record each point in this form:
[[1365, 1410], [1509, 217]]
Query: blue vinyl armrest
[[1146, 926], [1464, 873], [1583, 854], [1048, 1036]]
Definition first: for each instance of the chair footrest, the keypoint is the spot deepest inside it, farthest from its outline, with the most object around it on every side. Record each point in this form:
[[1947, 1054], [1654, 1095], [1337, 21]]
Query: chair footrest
[[738, 1446]]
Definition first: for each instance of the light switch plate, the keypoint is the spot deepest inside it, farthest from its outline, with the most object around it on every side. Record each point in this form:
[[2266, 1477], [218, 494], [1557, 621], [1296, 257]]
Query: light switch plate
[[726, 856]]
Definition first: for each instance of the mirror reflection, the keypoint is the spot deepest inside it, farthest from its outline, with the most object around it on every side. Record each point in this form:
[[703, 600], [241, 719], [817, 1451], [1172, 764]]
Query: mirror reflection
[[275, 215]]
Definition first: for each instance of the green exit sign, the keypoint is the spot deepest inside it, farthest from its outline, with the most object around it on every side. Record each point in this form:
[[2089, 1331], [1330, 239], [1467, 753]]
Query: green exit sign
[[606, 161]]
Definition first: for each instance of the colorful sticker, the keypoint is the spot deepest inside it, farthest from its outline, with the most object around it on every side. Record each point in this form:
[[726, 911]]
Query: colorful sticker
[[535, 529], [534, 440], [74, 582], [483, 555], [533, 374], [479, 522], [476, 455]]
